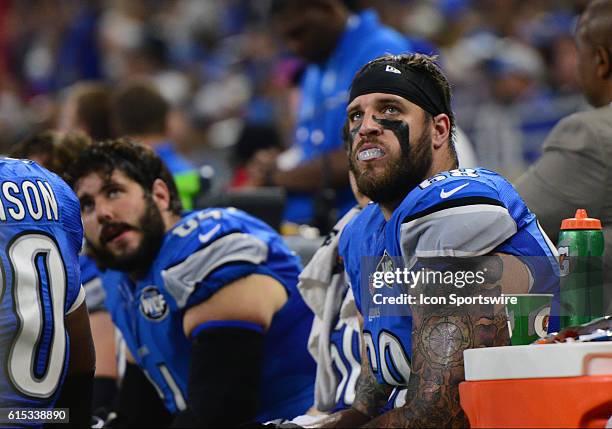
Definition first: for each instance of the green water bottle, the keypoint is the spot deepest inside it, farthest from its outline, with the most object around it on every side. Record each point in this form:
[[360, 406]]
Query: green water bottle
[[581, 246]]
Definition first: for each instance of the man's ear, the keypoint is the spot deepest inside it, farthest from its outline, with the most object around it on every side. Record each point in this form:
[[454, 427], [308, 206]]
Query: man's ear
[[440, 133], [161, 194], [604, 67]]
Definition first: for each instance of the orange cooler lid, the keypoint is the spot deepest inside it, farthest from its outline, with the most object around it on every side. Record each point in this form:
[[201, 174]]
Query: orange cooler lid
[[581, 221]]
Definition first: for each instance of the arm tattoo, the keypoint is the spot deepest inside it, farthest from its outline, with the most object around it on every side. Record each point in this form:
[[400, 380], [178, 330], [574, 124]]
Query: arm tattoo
[[440, 334], [370, 396]]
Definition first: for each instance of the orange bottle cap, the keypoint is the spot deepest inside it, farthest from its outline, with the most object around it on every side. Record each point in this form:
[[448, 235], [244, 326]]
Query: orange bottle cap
[[581, 221]]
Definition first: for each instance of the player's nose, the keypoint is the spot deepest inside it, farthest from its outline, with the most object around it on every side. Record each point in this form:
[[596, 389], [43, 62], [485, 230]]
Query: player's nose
[[104, 212], [369, 126]]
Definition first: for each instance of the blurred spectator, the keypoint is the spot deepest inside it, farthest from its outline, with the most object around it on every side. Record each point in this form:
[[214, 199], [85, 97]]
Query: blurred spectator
[[57, 44], [335, 44], [14, 114], [516, 72], [142, 114], [509, 117], [552, 35], [150, 59], [262, 139], [121, 29], [87, 108], [574, 171], [78, 57]]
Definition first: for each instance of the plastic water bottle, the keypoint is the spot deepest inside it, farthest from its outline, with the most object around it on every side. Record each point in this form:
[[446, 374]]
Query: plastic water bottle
[[581, 247]]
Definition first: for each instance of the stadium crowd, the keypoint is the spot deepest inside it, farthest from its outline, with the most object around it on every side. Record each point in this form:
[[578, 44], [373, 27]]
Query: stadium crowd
[[219, 65]]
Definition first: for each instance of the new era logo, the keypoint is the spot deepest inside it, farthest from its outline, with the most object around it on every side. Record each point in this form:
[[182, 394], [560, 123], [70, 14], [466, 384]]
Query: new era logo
[[392, 70]]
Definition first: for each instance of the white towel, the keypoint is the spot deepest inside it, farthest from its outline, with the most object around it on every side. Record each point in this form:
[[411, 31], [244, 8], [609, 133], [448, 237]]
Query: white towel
[[324, 289]]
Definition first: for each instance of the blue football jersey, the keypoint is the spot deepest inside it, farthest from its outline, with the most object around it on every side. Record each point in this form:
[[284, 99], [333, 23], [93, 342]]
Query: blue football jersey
[[205, 251], [91, 278], [361, 245], [41, 235], [362, 238], [459, 213]]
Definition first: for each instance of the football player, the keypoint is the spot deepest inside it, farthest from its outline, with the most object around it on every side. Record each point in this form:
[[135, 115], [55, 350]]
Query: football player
[[401, 151], [206, 302], [46, 348], [334, 337], [56, 151]]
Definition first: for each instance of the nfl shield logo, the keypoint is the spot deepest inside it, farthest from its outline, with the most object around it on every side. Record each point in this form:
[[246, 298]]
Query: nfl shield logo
[[385, 265], [153, 305]]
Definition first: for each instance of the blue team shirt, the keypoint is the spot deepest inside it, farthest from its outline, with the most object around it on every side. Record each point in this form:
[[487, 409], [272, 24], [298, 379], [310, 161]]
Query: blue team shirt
[[175, 162], [325, 89], [91, 278], [205, 251], [41, 234], [363, 235], [460, 213]]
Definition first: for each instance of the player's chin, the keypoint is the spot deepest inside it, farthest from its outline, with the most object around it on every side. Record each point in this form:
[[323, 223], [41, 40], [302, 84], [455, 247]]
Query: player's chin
[[121, 254], [372, 169], [124, 261]]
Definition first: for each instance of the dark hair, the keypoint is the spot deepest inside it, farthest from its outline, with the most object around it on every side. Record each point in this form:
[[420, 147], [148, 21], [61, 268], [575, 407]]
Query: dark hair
[[153, 48], [137, 161], [93, 109], [56, 151], [140, 109], [425, 64], [279, 6], [254, 137]]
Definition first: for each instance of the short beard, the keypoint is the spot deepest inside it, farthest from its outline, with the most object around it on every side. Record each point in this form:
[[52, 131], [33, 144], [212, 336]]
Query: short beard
[[401, 176], [153, 230]]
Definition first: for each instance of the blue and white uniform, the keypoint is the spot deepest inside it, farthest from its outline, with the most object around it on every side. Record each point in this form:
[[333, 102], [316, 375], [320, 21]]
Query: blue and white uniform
[[40, 238], [361, 245], [460, 213], [205, 251]]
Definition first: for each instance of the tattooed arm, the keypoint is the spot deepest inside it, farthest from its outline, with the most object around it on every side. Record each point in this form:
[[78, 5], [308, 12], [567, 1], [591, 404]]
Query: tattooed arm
[[440, 334], [370, 396]]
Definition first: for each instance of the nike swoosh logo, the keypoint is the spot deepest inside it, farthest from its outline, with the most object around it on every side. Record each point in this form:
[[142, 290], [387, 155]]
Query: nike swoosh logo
[[444, 194], [204, 238]]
